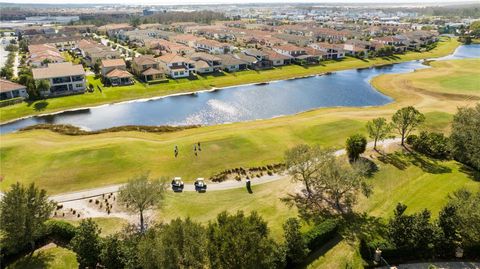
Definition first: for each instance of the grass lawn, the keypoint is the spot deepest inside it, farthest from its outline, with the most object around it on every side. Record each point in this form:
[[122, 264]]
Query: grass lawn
[[139, 90], [47, 257]]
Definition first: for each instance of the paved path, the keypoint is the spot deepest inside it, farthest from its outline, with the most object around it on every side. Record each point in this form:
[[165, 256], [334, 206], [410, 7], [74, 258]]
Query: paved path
[[226, 185]]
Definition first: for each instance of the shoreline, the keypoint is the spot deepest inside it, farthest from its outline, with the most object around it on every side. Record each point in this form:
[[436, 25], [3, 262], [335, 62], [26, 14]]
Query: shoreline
[[189, 92]]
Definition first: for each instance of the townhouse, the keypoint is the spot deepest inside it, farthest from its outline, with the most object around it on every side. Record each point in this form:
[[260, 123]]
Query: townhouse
[[231, 63], [393, 41], [64, 78]]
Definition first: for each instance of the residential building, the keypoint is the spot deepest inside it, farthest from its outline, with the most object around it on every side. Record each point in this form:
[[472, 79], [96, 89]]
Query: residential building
[[115, 72], [333, 51], [231, 64], [42, 54], [147, 68], [64, 78], [9, 90], [212, 46], [176, 65]]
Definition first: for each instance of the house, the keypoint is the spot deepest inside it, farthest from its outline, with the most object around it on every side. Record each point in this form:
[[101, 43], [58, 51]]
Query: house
[[9, 90], [147, 68], [333, 51], [276, 58], [118, 77], [356, 47], [42, 54], [396, 42], [115, 72], [94, 52], [231, 64], [289, 50], [212, 46], [176, 65], [262, 61], [64, 78], [212, 60], [296, 39]]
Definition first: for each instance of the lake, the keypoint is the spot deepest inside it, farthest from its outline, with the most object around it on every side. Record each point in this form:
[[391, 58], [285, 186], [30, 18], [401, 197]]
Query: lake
[[241, 103]]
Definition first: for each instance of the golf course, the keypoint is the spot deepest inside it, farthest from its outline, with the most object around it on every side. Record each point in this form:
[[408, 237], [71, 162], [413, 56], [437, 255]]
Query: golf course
[[62, 163]]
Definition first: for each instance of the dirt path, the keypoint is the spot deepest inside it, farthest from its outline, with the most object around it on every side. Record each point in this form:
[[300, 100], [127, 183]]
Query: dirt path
[[226, 185]]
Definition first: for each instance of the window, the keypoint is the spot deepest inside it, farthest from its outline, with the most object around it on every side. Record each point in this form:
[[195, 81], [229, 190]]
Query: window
[[61, 80], [77, 78], [78, 85], [175, 73]]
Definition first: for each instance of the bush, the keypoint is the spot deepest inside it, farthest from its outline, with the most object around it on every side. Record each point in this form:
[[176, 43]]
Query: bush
[[60, 230], [356, 145], [321, 234], [432, 144]]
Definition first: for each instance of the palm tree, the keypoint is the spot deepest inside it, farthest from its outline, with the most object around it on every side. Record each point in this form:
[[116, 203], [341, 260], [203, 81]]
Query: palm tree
[[43, 85]]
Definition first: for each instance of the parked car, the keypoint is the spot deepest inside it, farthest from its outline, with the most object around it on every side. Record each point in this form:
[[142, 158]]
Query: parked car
[[200, 185], [177, 184]]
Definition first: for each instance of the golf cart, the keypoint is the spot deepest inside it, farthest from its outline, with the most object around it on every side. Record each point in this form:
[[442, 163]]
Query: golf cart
[[177, 184], [200, 185]]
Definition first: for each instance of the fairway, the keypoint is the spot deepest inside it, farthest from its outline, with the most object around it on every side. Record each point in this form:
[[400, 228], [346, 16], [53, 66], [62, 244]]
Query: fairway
[[453, 79], [52, 257], [140, 90]]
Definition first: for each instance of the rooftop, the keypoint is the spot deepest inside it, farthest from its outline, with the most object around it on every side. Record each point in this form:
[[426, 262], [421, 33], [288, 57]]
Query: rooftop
[[58, 70]]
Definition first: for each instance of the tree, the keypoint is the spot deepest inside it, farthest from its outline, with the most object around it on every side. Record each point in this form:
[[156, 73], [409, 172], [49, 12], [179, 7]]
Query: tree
[[43, 85], [378, 129], [406, 120], [179, 244], [414, 232], [86, 243], [331, 186], [467, 215], [135, 21], [355, 145], [141, 194], [432, 144], [295, 246], [112, 255], [96, 68], [465, 137], [23, 212], [239, 241]]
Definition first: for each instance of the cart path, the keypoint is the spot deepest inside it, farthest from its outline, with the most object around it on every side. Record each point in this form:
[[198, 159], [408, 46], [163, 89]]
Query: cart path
[[226, 185]]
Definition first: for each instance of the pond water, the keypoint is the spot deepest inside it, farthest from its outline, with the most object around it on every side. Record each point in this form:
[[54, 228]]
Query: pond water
[[241, 103]]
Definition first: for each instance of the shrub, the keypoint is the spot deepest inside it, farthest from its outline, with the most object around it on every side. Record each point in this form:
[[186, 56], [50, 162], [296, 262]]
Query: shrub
[[356, 145], [60, 230], [321, 234]]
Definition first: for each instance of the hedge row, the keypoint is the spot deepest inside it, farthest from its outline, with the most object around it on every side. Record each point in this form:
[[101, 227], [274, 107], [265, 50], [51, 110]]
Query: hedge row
[[68, 129]]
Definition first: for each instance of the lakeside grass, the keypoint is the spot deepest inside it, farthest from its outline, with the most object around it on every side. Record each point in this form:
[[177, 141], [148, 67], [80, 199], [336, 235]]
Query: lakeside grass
[[139, 90]]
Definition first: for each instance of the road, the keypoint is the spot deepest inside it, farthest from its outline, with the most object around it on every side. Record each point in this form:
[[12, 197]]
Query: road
[[226, 185]]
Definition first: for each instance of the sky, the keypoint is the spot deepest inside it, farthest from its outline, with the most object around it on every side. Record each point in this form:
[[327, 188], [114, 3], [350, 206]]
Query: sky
[[183, 2]]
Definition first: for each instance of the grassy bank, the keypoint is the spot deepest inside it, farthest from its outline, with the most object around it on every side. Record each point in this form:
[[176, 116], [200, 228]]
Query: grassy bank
[[139, 90]]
